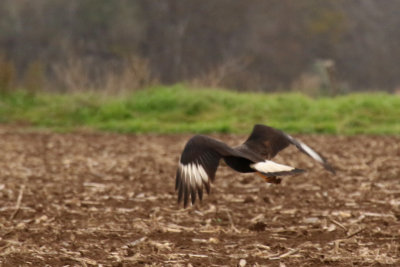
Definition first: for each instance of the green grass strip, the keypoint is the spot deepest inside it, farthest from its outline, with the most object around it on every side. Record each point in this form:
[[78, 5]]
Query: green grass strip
[[177, 109]]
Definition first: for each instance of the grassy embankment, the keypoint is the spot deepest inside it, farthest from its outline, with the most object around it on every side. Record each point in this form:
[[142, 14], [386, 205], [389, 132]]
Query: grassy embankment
[[177, 109]]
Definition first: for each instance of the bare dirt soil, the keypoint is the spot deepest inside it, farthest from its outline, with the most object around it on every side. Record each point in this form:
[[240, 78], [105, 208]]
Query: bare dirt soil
[[91, 199]]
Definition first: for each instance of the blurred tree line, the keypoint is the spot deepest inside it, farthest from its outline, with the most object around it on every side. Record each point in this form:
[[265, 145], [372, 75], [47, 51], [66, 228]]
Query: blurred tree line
[[262, 45]]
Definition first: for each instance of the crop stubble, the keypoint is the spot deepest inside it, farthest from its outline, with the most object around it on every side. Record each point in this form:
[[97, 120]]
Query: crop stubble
[[90, 199]]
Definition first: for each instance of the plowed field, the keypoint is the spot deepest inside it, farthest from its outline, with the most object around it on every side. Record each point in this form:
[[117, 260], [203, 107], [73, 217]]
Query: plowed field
[[90, 199]]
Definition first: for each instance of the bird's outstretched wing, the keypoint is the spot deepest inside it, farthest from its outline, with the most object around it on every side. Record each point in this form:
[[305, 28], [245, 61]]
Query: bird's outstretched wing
[[267, 142], [197, 166], [311, 152]]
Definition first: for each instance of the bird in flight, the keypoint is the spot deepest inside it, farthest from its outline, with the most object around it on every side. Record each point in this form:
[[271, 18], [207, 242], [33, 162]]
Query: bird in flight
[[200, 159]]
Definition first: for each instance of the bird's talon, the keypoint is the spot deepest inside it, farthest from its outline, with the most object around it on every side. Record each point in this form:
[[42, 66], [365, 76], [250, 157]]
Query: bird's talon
[[270, 179]]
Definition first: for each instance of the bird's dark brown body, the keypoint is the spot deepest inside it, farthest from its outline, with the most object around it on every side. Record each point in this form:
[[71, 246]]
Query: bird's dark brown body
[[200, 159], [239, 164]]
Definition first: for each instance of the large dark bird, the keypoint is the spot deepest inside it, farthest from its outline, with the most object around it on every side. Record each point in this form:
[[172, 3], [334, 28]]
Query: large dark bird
[[201, 155]]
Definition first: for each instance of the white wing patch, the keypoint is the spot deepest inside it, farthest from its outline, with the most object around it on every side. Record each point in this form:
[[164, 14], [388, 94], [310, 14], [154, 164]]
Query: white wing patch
[[307, 149], [270, 166], [311, 152], [193, 174]]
